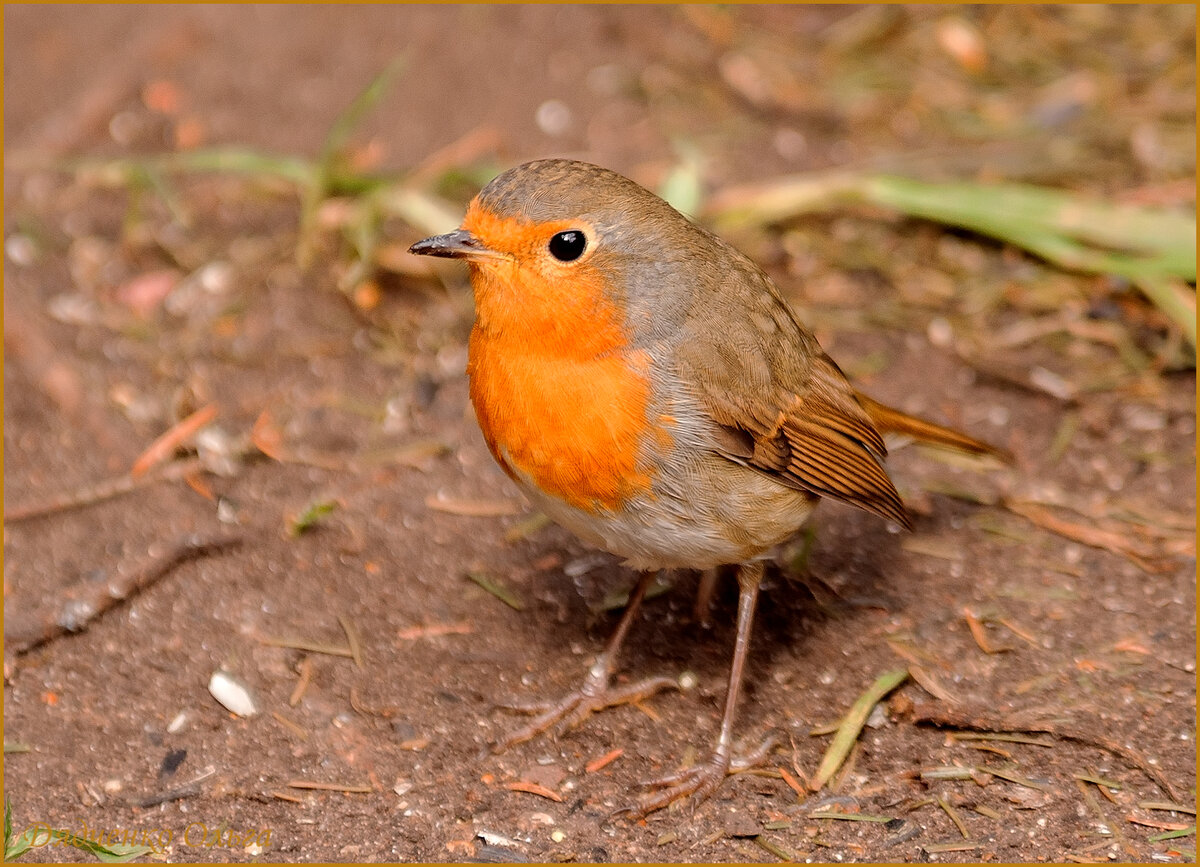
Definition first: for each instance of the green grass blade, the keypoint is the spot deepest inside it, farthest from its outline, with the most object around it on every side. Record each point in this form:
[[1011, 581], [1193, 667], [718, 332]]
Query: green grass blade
[[230, 160], [335, 141], [1153, 248], [1159, 239], [1172, 835], [8, 830], [362, 104], [16, 848], [505, 595], [1175, 300], [852, 724]]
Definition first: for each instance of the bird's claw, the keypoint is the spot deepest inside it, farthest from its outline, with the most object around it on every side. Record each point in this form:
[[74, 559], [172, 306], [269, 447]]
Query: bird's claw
[[572, 709], [698, 781]]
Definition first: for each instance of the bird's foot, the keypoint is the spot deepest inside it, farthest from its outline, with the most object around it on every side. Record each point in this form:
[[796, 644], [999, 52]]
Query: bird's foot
[[564, 713], [699, 781]]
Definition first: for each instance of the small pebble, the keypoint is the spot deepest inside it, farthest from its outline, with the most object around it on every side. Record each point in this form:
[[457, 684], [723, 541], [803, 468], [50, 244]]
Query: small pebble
[[232, 695], [877, 718]]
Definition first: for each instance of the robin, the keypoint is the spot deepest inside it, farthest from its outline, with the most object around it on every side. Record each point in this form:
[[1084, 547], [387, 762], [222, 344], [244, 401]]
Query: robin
[[647, 386]]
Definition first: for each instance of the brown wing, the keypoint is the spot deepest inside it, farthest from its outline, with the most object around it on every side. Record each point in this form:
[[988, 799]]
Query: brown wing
[[784, 406]]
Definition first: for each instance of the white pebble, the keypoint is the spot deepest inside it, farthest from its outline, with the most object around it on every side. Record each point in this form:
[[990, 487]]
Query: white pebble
[[1051, 383], [232, 695]]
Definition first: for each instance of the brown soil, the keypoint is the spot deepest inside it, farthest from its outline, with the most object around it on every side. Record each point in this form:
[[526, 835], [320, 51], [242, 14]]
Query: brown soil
[[1096, 647]]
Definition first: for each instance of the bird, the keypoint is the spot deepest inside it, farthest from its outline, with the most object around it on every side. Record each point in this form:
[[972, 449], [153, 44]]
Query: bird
[[649, 388]]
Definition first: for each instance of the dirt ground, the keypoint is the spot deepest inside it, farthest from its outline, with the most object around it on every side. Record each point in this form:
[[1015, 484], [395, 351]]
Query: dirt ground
[[1050, 605]]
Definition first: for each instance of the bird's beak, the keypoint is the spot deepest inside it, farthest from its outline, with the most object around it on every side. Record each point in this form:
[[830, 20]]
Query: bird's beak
[[459, 244]]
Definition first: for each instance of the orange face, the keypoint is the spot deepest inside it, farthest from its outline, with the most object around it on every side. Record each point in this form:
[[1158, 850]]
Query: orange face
[[565, 307], [561, 397]]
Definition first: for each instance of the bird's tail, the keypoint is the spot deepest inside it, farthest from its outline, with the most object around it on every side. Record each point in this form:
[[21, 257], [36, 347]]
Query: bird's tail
[[893, 421]]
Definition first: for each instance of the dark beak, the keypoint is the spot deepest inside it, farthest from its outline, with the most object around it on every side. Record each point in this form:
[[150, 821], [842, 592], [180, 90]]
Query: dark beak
[[459, 244]]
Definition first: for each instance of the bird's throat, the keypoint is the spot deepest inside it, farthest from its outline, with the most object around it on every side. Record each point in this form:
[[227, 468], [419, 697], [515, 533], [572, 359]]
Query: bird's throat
[[561, 397]]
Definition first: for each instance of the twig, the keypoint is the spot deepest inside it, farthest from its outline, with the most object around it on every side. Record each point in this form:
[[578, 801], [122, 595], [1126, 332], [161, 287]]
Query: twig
[[937, 848], [1105, 825], [532, 788], [186, 790], [1014, 777], [329, 787], [178, 434], [1001, 736], [101, 491], [431, 630], [289, 725], [977, 632], [604, 761], [851, 817], [508, 597], [303, 682], [954, 817], [1089, 534], [780, 852], [796, 785], [1163, 805], [352, 640], [177, 794], [980, 719], [82, 603], [310, 646]]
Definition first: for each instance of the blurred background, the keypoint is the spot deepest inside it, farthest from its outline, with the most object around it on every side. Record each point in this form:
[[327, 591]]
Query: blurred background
[[1090, 93], [230, 389]]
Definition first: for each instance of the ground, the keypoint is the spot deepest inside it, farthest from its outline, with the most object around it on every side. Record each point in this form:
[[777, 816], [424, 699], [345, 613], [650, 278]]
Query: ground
[[1044, 612]]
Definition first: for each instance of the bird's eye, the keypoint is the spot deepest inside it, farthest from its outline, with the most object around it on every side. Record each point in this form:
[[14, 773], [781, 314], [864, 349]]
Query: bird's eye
[[568, 246]]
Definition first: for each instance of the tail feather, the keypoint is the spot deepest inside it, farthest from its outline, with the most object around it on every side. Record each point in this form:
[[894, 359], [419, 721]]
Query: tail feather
[[889, 420]]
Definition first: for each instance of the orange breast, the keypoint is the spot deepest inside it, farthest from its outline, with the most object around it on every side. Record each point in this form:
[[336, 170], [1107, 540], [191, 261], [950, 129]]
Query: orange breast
[[560, 397], [572, 427]]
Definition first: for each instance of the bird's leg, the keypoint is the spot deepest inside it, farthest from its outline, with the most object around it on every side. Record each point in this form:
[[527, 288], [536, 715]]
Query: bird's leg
[[702, 609], [702, 780], [594, 693]]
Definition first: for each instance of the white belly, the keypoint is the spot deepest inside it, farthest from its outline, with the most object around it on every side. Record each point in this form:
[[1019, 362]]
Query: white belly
[[688, 523]]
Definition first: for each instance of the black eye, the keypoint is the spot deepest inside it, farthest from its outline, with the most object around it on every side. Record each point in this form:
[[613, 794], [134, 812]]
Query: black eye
[[568, 246]]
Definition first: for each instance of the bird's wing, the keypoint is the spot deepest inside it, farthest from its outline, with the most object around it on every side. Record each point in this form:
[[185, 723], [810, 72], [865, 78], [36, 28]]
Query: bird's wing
[[782, 405]]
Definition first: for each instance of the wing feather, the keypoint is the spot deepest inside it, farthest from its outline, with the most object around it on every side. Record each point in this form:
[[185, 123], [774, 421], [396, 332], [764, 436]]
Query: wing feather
[[786, 408]]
